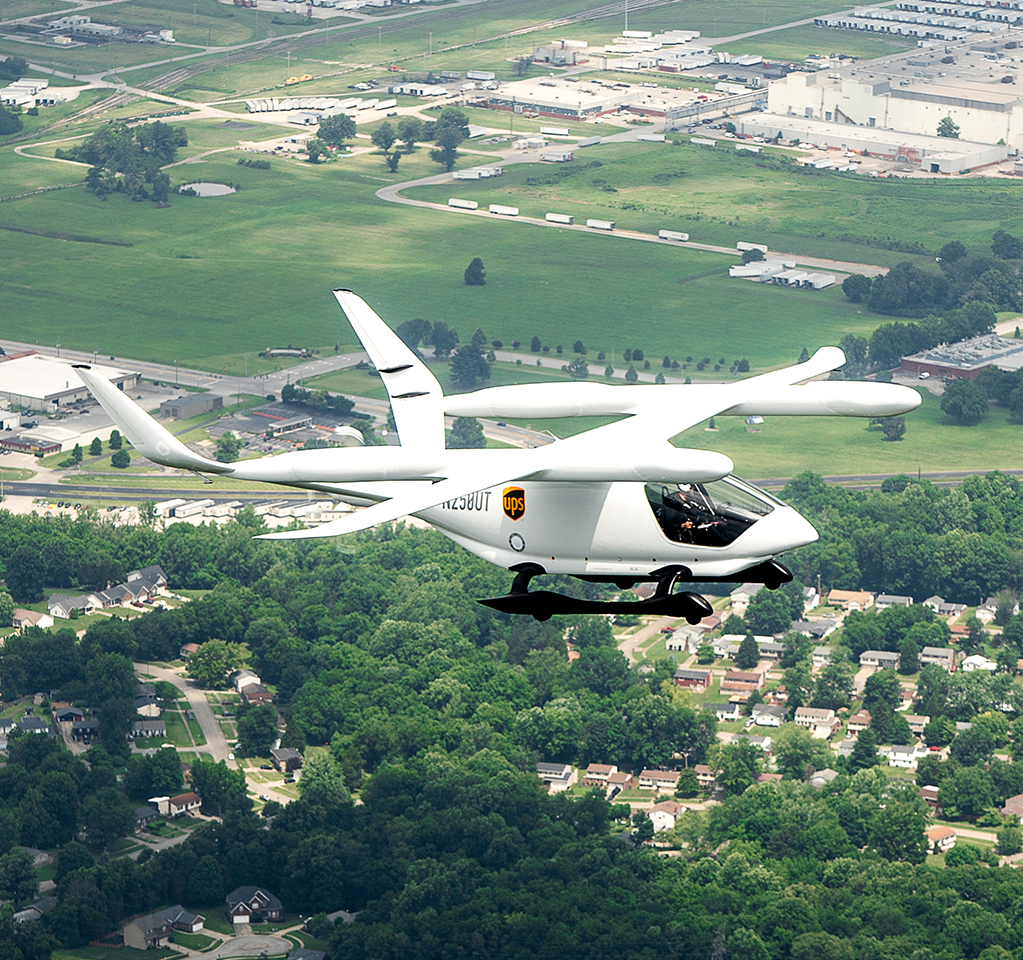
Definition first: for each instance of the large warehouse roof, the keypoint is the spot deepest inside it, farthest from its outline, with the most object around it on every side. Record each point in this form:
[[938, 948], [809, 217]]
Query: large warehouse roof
[[33, 380]]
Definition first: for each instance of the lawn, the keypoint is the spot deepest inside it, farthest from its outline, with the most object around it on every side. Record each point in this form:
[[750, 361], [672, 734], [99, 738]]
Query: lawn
[[797, 42], [113, 953], [194, 941]]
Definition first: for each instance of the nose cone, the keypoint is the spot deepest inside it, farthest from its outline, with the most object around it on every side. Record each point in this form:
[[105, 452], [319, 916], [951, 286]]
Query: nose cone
[[784, 529]]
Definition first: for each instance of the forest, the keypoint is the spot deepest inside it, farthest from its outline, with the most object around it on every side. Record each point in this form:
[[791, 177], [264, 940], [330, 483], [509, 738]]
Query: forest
[[435, 709]]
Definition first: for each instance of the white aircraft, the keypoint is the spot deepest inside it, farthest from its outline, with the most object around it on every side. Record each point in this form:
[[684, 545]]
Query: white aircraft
[[617, 504]]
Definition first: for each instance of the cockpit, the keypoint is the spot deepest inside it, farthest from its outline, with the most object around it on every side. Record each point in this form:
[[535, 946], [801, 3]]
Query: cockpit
[[708, 514]]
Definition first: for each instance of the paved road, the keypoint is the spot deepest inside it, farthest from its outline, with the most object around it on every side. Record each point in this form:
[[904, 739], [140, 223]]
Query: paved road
[[630, 644], [216, 743]]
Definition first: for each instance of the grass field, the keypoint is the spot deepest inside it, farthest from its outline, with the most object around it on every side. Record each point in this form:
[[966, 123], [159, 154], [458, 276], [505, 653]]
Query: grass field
[[797, 42], [785, 446], [202, 277]]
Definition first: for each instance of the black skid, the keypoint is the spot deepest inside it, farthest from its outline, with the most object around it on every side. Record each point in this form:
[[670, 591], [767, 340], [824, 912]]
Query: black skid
[[543, 604]]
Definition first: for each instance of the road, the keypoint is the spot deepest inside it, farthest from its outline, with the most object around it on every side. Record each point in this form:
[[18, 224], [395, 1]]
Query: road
[[216, 743], [630, 644]]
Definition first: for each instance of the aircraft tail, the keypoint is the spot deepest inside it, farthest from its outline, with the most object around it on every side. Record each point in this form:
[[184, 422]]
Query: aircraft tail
[[417, 400], [146, 435]]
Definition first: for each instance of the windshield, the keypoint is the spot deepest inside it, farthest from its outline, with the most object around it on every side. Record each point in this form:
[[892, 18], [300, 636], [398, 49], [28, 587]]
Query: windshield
[[707, 514]]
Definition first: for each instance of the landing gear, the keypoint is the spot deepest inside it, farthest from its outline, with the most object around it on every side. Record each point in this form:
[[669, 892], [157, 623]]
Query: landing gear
[[543, 604]]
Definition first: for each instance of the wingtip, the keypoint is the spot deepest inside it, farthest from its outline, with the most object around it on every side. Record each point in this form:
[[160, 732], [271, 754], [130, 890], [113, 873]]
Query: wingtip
[[80, 366]]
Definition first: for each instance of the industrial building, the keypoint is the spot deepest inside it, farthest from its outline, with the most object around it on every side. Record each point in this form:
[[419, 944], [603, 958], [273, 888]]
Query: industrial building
[[964, 360], [929, 153], [971, 82], [36, 382], [191, 405]]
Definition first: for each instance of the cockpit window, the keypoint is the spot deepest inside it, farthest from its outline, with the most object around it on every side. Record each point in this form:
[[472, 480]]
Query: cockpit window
[[707, 514]]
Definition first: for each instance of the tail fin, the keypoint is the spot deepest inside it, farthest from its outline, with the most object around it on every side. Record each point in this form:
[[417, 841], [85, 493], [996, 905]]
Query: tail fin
[[417, 400], [145, 434]]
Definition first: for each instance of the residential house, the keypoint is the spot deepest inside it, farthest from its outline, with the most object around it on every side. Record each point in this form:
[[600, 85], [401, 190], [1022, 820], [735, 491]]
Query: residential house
[[944, 657], [941, 839], [810, 598], [149, 728], [742, 595], [705, 777], [35, 910], [1013, 805], [34, 725], [768, 714], [286, 759], [696, 680], [821, 778], [149, 932], [881, 659], [987, 610], [859, 722], [930, 797], [917, 723], [769, 777], [597, 774], [147, 706], [822, 723], [725, 647], [247, 904], [617, 782], [240, 679], [685, 639], [61, 605], [742, 682], [85, 730], [821, 656], [943, 608], [151, 579], [978, 662], [903, 756], [29, 618], [145, 816], [850, 599], [556, 777], [663, 781], [814, 629], [772, 651], [885, 600], [846, 747], [764, 743], [187, 649], [725, 712], [6, 726], [183, 803], [257, 693], [67, 714], [665, 814]]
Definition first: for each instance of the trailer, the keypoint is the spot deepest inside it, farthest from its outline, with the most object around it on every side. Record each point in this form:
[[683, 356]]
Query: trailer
[[559, 218], [601, 224], [651, 137], [386, 104], [478, 75], [463, 204], [504, 211], [555, 131], [742, 245], [368, 104], [588, 142], [703, 141], [166, 508], [192, 508], [450, 75], [673, 235], [556, 156]]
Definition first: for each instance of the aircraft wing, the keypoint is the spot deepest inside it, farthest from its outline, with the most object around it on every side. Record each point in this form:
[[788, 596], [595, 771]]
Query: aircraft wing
[[416, 396]]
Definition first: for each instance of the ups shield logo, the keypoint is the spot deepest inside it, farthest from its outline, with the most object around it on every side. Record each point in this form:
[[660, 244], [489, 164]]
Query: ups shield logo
[[514, 502]]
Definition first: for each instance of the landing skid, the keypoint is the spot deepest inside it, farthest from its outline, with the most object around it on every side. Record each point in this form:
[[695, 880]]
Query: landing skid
[[543, 604]]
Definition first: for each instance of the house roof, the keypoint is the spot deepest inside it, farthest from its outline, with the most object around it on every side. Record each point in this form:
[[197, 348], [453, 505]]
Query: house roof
[[769, 709], [669, 806], [185, 798], [602, 768], [814, 713], [702, 675], [285, 753], [940, 833], [659, 775], [248, 894], [945, 652]]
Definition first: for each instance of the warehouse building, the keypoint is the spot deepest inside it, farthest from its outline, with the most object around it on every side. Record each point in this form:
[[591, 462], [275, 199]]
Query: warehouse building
[[36, 382], [190, 405], [964, 360], [562, 97]]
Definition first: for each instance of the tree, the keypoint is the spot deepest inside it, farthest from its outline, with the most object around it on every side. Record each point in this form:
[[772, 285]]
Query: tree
[[578, 369], [964, 403], [630, 375], [893, 428], [749, 653], [466, 433], [973, 746], [96, 447], [1006, 247], [857, 288], [446, 153], [947, 127], [796, 751], [25, 573], [6, 609], [323, 781], [257, 730], [864, 752], [228, 447], [752, 256], [77, 453], [469, 367], [966, 792], [384, 136], [115, 440], [392, 161], [334, 131], [120, 459], [221, 788], [443, 339], [18, 881], [909, 657], [212, 662], [770, 611], [315, 149], [10, 122], [410, 131], [475, 275], [738, 766], [1010, 841]]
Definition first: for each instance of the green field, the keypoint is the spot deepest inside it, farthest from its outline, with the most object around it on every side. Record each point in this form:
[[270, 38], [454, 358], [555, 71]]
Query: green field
[[797, 42]]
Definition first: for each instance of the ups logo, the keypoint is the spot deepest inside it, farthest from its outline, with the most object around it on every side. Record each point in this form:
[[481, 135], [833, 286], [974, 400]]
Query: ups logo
[[514, 502]]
